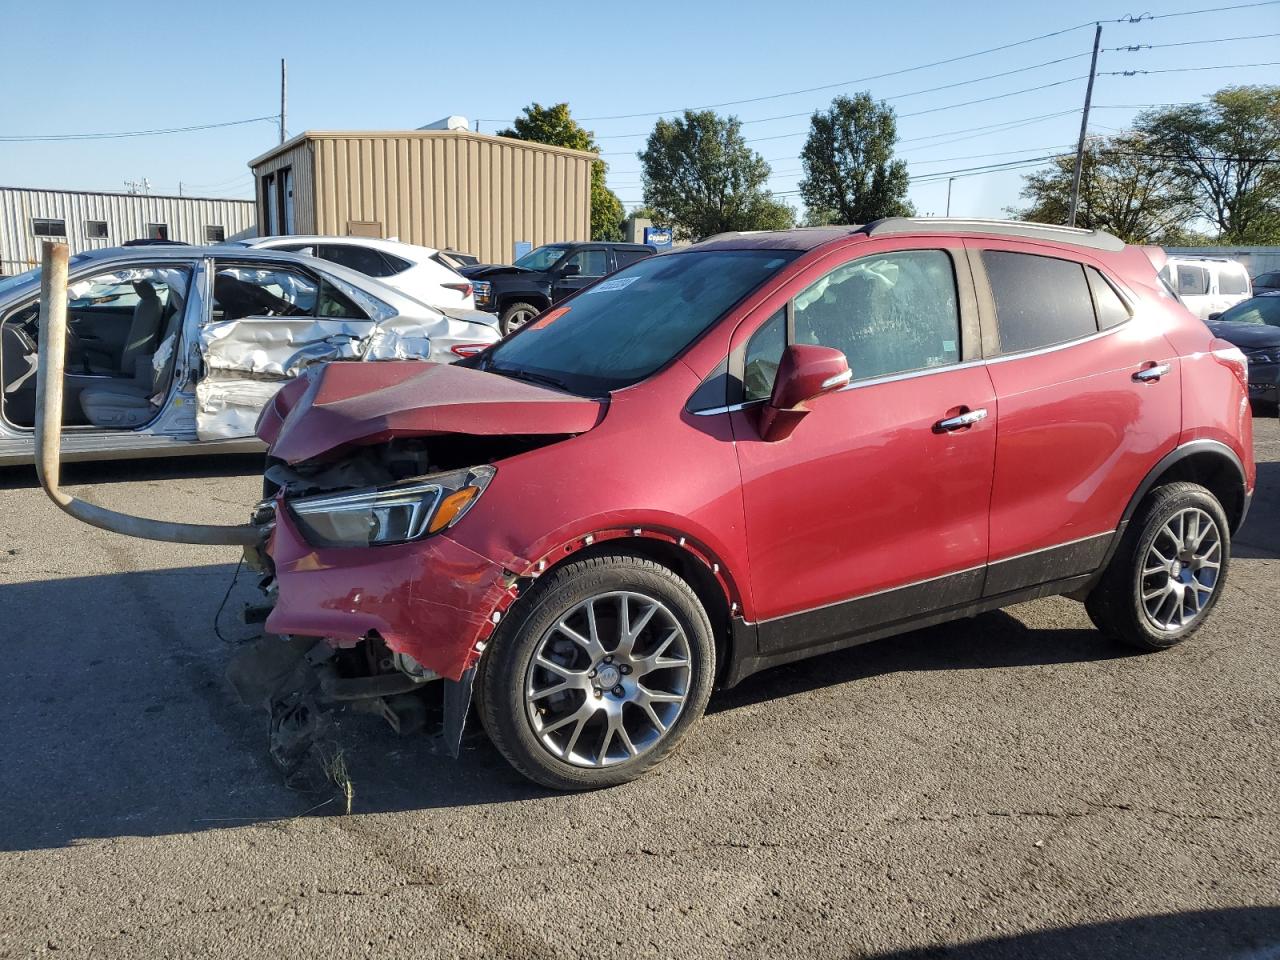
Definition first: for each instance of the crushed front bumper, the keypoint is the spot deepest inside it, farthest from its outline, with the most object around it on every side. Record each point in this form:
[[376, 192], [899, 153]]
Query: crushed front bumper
[[433, 600]]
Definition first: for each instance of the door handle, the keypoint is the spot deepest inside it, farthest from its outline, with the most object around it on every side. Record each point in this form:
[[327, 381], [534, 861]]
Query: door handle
[[1152, 374], [960, 421]]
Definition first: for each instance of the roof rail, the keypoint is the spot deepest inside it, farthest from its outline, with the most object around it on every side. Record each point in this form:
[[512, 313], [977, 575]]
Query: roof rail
[[1097, 239]]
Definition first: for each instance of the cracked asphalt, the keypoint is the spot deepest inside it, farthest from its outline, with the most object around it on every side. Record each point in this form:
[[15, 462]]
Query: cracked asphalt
[[1007, 786]]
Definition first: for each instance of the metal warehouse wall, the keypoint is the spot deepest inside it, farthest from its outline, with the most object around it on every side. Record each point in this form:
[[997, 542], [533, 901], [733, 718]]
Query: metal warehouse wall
[[441, 188], [300, 158], [126, 216]]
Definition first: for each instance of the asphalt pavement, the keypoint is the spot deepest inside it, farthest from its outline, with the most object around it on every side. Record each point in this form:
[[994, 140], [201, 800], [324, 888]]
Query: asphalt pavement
[[1007, 786]]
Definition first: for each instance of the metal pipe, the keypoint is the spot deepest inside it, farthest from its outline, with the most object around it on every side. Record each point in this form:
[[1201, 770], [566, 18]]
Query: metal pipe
[[53, 349]]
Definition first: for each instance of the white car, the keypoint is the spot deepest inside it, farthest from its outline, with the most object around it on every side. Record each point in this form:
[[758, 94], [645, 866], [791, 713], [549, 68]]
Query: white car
[[421, 272], [1207, 284], [176, 349]]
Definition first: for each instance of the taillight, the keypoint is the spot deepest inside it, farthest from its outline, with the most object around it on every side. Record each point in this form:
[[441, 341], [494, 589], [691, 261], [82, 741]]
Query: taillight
[[1229, 355], [462, 288], [467, 349]]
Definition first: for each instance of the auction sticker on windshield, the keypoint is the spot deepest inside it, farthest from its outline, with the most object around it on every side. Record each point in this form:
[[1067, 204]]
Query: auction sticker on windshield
[[617, 283]]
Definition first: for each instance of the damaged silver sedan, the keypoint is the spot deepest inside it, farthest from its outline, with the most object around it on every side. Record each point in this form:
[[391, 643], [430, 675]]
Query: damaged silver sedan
[[175, 350]]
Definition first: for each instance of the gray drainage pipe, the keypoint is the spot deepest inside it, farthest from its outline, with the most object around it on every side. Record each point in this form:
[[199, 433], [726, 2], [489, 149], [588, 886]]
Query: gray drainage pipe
[[53, 348]]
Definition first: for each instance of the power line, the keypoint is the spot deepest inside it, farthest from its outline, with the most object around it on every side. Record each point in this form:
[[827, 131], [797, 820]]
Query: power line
[[1134, 48], [1220, 66], [899, 96], [36, 138], [937, 63], [846, 83]]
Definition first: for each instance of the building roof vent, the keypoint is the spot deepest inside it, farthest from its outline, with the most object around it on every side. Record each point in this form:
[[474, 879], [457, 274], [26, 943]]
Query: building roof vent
[[448, 123]]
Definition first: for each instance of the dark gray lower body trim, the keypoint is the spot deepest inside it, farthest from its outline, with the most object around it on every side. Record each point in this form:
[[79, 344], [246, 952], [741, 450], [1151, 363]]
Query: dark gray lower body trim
[[1054, 563]]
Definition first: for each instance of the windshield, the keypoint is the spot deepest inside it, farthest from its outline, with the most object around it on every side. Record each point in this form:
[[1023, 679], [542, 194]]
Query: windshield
[[541, 259], [1258, 310], [32, 277], [624, 328]]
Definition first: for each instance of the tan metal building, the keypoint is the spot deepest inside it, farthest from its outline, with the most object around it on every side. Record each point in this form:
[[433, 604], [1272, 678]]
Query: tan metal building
[[448, 189]]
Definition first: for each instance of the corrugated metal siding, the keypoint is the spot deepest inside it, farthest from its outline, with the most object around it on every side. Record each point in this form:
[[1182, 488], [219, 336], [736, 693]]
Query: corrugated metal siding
[[126, 216], [443, 188], [300, 158]]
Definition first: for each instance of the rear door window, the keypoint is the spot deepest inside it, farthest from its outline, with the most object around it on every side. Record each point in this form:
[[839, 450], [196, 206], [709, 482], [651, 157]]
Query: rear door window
[[1040, 301], [361, 259], [627, 257], [1232, 281], [890, 313], [243, 291]]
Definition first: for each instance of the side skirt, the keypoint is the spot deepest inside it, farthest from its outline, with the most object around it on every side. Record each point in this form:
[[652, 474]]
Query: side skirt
[[744, 634]]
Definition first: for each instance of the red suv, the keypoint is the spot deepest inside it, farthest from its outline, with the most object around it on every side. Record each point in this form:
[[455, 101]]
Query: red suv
[[762, 447]]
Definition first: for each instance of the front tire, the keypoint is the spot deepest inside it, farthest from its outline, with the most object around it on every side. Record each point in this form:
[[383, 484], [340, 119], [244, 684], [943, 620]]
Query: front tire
[[1168, 571], [517, 315], [598, 673]]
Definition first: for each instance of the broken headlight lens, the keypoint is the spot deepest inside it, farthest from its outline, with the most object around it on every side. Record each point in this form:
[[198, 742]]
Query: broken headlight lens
[[394, 514]]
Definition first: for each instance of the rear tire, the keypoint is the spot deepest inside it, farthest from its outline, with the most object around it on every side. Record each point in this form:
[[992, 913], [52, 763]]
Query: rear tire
[[517, 315], [598, 673], [1168, 571]]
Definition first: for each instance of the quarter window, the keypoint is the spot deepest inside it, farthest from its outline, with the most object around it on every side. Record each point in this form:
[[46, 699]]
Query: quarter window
[[889, 314], [764, 353], [1040, 301], [1192, 281], [44, 227], [1110, 308]]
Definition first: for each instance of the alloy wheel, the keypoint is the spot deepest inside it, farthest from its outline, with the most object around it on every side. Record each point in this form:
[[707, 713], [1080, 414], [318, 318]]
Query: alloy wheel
[[1180, 571], [518, 318], [608, 680]]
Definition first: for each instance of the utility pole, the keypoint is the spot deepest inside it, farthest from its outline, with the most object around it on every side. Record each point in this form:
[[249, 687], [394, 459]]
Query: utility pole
[[284, 92], [950, 181], [1084, 126]]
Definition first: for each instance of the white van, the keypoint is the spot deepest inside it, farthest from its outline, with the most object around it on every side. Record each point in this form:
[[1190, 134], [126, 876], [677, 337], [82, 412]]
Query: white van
[[1207, 285]]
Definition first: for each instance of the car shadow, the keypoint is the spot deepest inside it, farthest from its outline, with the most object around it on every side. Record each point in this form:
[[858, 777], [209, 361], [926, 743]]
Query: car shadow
[[118, 718], [1259, 538], [989, 640], [1233, 933], [129, 471]]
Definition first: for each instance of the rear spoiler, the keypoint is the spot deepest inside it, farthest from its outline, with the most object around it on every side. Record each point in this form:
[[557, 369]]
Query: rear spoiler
[[53, 349]]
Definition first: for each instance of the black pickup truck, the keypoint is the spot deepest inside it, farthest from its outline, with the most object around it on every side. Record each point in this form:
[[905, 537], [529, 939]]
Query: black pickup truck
[[521, 291]]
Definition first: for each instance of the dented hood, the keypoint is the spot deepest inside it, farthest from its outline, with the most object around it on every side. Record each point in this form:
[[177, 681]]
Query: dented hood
[[342, 405]]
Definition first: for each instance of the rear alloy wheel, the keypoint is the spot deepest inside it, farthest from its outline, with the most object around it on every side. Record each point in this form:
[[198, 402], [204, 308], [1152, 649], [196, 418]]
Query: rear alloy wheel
[[517, 315], [600, 675], [1168, 571]]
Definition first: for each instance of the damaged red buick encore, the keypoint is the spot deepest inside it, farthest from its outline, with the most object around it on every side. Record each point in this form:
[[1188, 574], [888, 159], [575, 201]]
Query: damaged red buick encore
[[762, 447]]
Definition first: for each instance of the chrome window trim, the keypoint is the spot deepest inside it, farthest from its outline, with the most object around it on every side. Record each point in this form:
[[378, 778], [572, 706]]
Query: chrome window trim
[[730, 408]]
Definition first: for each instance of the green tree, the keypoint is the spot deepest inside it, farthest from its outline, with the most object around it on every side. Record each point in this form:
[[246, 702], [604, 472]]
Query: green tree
[[555, 126], [701, 178], [1224, 152], [850, 173], [1123, 190]]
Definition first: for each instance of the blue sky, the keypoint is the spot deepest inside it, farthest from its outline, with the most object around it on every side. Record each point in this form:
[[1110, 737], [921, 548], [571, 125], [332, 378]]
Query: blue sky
[[75, 67]]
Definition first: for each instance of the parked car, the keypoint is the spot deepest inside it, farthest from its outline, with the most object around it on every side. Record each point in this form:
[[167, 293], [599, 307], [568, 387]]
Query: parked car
[[421, 272], [1207, 284], [1266, 281], [1254, 327], [545, 276], [174, 349], [761, 448]]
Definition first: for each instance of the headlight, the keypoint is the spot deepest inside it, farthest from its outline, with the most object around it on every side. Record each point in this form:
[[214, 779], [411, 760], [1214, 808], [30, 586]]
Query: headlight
[[482, 290], [395, 514]]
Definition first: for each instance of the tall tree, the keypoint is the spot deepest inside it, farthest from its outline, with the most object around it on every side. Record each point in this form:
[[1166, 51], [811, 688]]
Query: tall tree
[[1225, 153], [1123, 190], [555, 126], [850, 173], [700, 177]]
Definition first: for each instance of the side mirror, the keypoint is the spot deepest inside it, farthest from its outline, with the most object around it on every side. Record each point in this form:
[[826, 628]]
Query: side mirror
[[805, 372], [1215, 316], [570, 270]]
